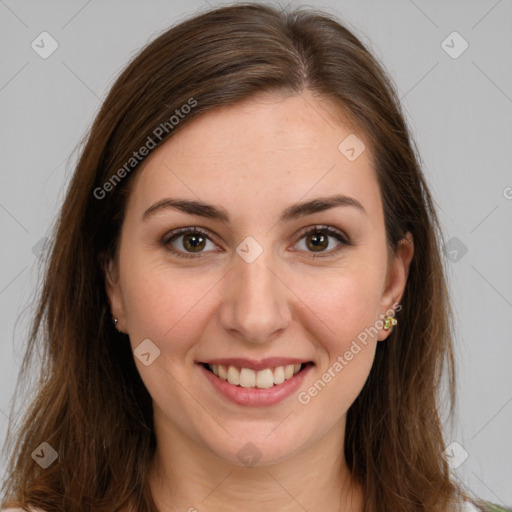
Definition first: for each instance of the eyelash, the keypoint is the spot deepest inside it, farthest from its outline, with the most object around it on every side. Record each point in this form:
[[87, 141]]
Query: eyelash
[[170, 237]]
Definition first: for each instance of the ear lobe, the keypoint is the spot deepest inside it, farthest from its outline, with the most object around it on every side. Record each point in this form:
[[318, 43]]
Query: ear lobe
[[398, 273]]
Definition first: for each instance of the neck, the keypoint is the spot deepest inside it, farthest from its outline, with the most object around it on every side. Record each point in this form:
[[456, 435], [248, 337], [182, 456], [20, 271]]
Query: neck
[[186, 476]]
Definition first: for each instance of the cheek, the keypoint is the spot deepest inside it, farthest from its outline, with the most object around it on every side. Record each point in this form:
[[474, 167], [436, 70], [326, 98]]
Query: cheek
[[164, 304], [341, 316], [169, 308], [341, 305]]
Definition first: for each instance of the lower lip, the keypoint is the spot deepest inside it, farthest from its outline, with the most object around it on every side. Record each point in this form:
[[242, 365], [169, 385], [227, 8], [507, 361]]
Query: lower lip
[[255, 397]]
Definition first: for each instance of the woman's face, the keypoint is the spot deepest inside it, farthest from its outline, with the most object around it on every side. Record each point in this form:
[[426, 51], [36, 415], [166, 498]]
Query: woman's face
[[248, 282]]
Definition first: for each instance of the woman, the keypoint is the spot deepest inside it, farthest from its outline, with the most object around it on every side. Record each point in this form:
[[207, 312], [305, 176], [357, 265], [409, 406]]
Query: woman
[[245, 303]]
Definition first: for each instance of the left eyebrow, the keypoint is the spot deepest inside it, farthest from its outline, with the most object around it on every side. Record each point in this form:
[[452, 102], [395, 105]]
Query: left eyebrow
[[319, 205], [215, 212]]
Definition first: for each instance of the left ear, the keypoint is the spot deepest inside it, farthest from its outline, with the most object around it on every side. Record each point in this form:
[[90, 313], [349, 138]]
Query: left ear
[[396, 278]]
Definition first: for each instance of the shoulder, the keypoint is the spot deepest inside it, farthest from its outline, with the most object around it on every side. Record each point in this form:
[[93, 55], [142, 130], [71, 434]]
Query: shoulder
[[486, 507], [21, 509]]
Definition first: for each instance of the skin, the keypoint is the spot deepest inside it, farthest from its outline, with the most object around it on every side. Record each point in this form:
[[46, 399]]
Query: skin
[[255, 159]]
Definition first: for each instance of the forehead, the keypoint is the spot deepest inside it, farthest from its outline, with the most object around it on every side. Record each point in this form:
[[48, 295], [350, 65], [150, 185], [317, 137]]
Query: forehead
[[245, 154]]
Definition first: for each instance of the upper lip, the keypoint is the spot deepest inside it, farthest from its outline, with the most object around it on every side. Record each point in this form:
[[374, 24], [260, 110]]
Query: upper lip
[[260, 364]]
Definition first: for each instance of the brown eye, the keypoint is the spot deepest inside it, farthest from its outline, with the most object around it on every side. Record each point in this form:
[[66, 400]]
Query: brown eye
[[194, 243], [187, 241], [318, 240]]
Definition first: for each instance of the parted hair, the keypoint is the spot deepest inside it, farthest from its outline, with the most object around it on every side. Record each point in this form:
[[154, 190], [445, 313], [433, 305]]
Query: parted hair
[[89, 402]]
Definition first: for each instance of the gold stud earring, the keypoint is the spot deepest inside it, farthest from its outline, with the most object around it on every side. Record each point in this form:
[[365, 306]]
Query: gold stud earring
[[389, 322]]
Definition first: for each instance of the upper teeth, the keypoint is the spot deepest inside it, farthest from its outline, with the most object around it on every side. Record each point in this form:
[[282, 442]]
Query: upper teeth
[[248, 378]]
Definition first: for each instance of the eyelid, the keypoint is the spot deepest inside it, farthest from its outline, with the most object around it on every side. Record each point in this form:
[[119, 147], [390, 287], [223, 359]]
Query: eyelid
[[176, 233], [183, 231], [329, 230], [342, 238]]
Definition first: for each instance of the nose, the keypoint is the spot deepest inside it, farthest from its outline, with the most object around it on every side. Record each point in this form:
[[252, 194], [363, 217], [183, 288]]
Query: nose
[[255, 302]]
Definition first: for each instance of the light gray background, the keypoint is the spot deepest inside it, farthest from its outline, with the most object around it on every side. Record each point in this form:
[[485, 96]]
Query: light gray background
[[459, 111]]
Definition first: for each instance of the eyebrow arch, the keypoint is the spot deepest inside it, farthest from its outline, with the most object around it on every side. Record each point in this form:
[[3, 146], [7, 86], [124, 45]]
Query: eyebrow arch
[[294, 211]]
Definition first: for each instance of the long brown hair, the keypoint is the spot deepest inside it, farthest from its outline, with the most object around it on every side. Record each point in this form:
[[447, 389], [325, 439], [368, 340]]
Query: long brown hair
[[91, 405]]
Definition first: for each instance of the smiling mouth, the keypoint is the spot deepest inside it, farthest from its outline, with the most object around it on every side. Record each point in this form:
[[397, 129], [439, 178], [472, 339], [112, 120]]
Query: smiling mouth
[[262, 379]]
